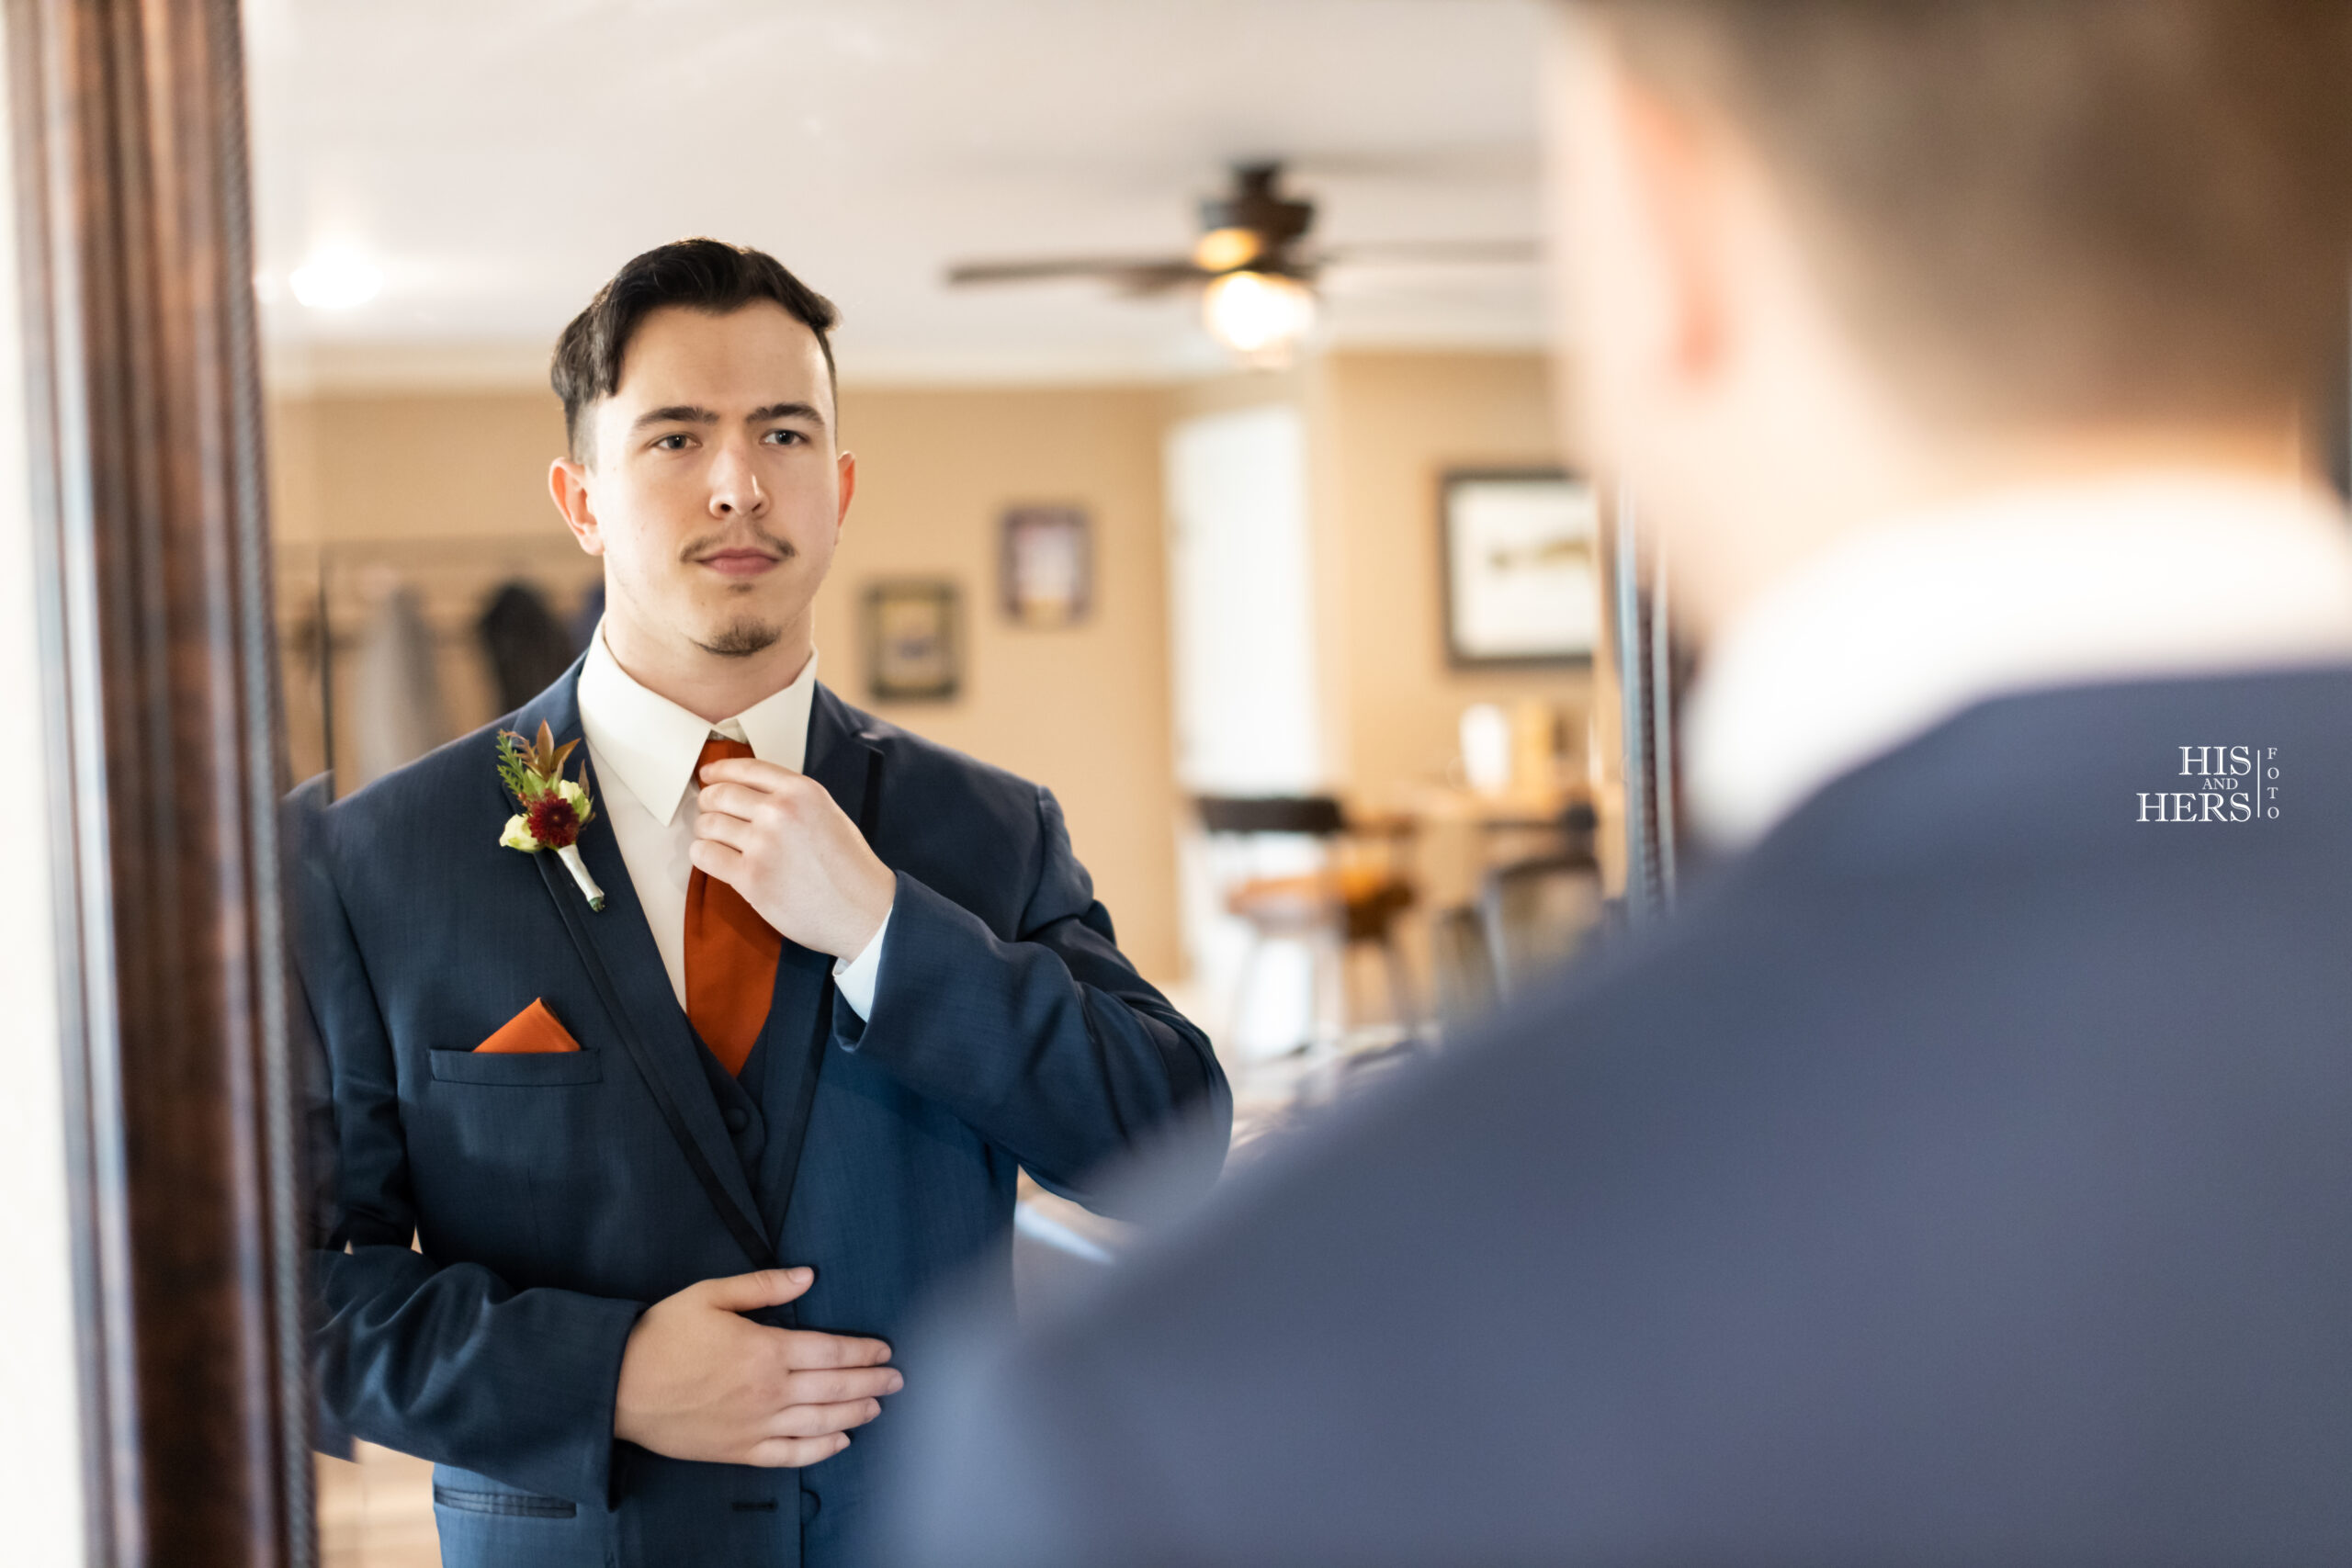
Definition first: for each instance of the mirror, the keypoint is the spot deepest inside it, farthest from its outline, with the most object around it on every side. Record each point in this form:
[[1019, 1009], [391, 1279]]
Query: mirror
[[1160, 331]]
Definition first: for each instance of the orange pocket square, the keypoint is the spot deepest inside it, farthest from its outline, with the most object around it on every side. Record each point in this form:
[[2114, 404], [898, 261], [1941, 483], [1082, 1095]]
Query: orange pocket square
[[533, 1029]]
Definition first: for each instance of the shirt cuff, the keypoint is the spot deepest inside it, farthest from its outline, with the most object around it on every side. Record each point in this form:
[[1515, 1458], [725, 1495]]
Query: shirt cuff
[[854, 977]]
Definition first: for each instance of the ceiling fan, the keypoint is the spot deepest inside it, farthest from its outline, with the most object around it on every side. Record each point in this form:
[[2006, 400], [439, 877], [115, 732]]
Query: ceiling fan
[[1252, 263]]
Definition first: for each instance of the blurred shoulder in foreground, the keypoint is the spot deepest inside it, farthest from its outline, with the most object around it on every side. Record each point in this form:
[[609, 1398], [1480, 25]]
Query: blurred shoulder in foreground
[[1965, 1174]]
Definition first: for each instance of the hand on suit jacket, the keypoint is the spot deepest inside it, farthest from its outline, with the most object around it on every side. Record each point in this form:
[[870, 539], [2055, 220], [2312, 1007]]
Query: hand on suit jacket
[[778, 838], [700, 1382]]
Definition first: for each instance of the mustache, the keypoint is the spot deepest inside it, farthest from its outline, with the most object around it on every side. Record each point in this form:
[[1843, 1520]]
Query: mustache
[[696, 548]]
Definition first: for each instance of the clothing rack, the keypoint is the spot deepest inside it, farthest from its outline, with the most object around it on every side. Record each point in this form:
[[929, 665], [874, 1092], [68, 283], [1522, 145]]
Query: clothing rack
[[329, 590]]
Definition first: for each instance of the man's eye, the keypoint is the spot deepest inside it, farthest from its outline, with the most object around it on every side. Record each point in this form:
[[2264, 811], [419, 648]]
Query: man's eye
[[674, 442], [785, 437]]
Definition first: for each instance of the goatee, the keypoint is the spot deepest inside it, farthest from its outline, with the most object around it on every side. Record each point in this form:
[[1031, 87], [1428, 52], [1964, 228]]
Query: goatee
[[743, 638]]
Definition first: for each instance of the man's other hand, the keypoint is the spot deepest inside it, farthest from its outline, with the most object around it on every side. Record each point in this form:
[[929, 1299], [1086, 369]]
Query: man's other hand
[[778, 839], [699, 1381]]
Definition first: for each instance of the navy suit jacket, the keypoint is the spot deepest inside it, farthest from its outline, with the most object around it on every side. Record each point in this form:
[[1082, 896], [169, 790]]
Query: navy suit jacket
[[1965, 1177], [553, 1197]]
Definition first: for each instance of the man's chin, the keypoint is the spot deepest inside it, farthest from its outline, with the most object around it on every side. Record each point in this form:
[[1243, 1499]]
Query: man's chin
[[743, 638]]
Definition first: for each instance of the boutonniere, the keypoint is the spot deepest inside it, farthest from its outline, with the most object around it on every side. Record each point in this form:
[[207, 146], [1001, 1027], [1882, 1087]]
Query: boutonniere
[[554, 808]]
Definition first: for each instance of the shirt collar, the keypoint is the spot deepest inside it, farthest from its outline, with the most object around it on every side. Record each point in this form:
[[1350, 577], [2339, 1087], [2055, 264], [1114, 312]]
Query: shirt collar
[[1888, 634], [651, 744]]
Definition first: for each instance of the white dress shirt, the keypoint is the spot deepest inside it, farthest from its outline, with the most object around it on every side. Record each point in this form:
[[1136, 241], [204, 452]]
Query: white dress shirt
[[644, 746], [1890, 633]]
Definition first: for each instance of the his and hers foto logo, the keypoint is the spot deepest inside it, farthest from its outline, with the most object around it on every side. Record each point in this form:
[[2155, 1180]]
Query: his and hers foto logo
[[2235, 783]]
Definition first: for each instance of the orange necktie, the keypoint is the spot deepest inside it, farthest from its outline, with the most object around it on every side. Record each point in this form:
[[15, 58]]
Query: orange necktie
[[730, 952]]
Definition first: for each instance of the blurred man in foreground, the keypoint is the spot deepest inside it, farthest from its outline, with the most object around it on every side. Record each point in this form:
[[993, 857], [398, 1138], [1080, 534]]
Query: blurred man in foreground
[[1965, 1174]]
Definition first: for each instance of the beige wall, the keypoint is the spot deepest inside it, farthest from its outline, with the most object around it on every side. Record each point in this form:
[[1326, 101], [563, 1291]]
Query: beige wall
[[1387, 428], [408, 465], [1085, 710], [450, 488]]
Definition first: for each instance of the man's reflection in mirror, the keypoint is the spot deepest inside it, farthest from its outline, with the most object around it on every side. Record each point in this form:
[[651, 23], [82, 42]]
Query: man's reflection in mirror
[[686, 1026]]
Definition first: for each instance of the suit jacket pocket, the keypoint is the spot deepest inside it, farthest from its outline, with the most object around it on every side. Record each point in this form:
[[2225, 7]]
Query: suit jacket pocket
[[520, 1069]]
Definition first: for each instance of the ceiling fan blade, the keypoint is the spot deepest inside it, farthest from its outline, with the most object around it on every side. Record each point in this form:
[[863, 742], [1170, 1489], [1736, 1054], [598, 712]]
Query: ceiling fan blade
[[1434, 253], [1128, 273], [1165, 277]]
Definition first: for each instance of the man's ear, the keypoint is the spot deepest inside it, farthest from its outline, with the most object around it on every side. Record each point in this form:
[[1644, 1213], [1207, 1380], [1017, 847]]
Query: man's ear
[[1680, 190], [847, 463], [568, 483]]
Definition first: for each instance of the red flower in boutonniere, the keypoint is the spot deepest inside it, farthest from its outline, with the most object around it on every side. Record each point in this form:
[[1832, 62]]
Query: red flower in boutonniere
[[552, 821], [554, 808]]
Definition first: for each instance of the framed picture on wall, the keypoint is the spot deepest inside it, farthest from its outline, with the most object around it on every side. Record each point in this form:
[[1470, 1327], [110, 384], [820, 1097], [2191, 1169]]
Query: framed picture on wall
[[1523, 586], [913, 650], [1048, 566]]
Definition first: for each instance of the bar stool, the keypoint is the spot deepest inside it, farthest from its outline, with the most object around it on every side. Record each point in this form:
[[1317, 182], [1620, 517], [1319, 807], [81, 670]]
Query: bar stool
[[1352, 900]]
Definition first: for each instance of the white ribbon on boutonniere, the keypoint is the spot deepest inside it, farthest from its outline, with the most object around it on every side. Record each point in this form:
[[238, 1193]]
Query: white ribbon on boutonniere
[[554, 808]]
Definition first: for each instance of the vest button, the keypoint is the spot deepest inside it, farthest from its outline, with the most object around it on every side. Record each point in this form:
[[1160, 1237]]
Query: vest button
[[738, 1119]]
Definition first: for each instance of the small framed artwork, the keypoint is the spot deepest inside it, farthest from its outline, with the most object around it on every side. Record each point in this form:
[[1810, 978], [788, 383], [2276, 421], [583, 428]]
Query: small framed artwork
[[913, 647], [1048, 566], [1522, 585]]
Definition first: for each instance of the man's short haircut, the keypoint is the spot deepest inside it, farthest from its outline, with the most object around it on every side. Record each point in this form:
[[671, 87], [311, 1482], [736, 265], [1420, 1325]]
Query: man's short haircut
[[2038, 209], [699, 274]]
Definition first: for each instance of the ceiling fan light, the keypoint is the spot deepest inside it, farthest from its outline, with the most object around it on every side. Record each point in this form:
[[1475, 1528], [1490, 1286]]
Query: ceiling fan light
[[1223, 249], [1260, 316]]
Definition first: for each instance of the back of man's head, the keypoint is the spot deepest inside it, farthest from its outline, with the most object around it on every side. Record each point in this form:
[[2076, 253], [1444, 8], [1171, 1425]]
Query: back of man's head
[[2077, 209]]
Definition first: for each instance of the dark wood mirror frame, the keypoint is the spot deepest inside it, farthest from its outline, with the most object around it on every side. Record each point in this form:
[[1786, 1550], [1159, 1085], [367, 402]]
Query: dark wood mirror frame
[[148, 488]]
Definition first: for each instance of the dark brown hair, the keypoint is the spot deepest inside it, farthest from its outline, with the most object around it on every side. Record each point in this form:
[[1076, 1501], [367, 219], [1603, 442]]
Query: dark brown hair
[[700, 275], [2079, 207]]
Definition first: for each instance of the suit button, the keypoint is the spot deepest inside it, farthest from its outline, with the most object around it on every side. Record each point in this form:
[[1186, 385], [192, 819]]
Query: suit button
[[737, 1118], [808, 1505]]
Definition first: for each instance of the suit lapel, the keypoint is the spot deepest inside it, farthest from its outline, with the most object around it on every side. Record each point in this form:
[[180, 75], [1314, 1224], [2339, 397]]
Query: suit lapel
[[617, 945], [800, 1018]]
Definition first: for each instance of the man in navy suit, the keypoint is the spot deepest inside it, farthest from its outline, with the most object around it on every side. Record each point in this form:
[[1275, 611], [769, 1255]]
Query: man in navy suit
[[1965, 1174], [678, 1158]]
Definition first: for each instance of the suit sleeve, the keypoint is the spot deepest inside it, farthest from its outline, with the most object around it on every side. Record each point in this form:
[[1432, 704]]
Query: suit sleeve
[[1049, 1044], [447, 1363]]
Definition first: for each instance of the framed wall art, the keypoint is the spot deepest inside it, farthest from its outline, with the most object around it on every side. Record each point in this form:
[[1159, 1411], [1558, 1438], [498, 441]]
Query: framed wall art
[[1518, 549], [913, 641], [1047, 566]]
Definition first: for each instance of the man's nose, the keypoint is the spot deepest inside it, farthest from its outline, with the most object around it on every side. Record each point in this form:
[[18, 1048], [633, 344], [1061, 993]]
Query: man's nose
[[735, 488]]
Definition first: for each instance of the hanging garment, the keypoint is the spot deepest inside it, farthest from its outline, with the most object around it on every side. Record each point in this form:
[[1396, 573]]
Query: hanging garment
[[527, 647], [397, 713]]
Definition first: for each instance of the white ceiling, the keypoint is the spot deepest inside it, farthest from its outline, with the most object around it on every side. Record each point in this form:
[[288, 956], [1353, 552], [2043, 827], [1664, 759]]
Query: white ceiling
[[497, 159]]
